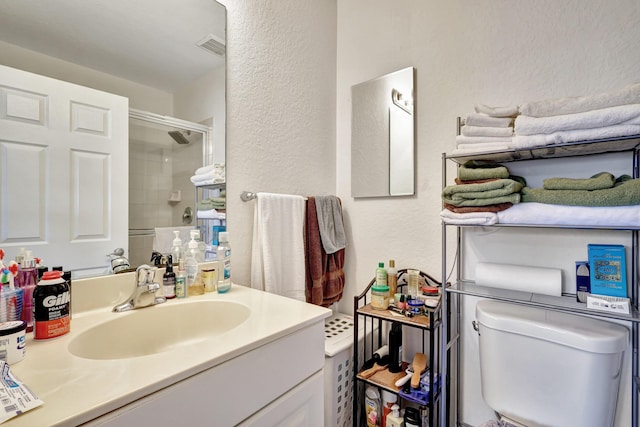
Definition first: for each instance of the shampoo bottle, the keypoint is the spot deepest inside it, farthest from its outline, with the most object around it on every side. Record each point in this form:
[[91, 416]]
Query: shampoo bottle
[[392, 278], [224, 263], [169, 280]]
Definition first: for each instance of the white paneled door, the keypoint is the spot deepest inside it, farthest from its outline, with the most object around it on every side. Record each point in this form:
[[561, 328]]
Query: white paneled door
[[63, 171]]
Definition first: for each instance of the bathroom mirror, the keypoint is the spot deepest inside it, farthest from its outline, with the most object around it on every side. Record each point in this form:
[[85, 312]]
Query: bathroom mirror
[[382, 136], [168, 54]]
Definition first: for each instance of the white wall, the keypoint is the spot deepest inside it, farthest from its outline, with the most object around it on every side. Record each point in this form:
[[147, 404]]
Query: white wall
[[493, 52], [280, 106], [140, 96]]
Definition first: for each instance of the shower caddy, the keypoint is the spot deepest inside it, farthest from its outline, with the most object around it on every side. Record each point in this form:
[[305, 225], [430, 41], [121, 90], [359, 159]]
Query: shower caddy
[[452, 293], [370, 328]]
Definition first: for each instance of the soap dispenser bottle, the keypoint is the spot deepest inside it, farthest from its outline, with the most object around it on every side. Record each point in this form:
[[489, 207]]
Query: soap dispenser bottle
[[393, 418], [194, 282], [176, 247]]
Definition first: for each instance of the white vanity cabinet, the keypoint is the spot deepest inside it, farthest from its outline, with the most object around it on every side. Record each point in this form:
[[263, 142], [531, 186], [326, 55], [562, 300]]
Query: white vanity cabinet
[[278, 384]]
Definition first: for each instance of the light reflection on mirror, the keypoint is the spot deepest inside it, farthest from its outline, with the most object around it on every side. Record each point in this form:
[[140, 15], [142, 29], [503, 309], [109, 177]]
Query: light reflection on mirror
[[382, 136]]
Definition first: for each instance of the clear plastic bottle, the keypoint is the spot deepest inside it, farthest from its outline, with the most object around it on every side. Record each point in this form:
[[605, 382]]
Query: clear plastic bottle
[[194, 282], [176, 247], [224, 263], [27, 279]]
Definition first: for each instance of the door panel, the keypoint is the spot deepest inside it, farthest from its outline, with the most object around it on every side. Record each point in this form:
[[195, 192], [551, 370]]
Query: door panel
[[64, 177]]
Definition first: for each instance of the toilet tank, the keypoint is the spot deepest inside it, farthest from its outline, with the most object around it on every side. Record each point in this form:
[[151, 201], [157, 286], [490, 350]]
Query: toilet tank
[[545, 368]]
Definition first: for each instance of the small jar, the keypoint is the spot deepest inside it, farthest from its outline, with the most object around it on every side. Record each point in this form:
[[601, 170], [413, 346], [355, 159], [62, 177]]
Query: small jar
[[415, 306], [380, 297]]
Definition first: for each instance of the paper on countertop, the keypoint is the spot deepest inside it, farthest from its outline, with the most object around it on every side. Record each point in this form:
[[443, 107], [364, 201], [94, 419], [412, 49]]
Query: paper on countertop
[[15, 397]]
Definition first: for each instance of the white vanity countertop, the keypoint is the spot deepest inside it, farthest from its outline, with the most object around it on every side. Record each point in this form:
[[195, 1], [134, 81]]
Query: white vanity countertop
[[76, 390]]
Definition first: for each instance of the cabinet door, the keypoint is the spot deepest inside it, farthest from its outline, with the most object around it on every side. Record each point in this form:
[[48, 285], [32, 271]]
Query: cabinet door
[[300, 406]]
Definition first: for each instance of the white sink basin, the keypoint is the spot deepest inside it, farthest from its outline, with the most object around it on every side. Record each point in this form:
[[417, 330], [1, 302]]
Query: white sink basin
[[157, 329]]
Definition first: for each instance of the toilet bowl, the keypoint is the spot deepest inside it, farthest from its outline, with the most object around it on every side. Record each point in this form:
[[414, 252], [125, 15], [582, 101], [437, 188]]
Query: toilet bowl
[[546, 368]]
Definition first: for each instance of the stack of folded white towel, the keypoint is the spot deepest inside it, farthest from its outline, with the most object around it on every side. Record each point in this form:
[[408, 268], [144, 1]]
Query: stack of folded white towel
[[207, 175], [488, 129], [582, 118]]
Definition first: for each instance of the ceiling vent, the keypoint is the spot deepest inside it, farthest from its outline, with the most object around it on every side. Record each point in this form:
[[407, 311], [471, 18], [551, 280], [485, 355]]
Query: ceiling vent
[[213, 44]]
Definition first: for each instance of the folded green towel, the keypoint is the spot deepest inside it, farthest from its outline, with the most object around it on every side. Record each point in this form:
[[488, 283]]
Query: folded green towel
[[483, 194], [480, 169], [212, 203], [598, 181], [625, 192]]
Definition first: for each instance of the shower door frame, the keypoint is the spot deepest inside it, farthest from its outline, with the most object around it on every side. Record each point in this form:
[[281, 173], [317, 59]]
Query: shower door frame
[[208, 148]]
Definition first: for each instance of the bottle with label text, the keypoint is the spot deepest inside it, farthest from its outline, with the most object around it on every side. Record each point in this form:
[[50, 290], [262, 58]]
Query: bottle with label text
[[27, 279], [181, 281], [169, 280], [51, 306], [392, 278], [224, 263], [381, 275]]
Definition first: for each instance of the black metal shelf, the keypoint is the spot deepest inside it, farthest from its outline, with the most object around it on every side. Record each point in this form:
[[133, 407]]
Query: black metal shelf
[[430, 323]]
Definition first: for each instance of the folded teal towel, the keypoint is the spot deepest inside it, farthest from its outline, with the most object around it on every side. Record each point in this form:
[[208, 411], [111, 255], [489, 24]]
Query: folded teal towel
[[598, 181], [483, 194], [480, 169], [625, 192]]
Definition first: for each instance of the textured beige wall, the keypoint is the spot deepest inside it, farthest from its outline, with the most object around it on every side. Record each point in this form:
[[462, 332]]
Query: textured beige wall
[[492, 52], [280, 107]]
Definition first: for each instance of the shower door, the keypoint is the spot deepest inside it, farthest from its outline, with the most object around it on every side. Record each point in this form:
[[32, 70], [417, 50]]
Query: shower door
[[164, 153]]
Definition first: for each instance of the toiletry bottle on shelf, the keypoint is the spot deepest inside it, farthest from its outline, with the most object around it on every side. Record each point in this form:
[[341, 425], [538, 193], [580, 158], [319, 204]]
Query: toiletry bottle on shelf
[[381, 275], [181, 281], [27, 279], [412, 283], [394, 419], [392, 278], [224, 263], [395, 347], [176, 247], [169, 280]]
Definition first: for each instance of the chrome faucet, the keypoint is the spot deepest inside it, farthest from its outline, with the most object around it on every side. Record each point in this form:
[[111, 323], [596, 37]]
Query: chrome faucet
[[144, 294]]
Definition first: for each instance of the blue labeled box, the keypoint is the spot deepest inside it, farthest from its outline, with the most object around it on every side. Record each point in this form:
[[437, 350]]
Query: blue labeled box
[[608, 270]]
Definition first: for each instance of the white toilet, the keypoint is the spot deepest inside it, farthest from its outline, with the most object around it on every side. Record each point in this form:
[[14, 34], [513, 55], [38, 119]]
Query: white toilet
[[545, 368]]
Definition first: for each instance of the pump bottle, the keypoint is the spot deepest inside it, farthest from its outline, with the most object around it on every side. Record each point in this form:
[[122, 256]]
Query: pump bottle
[[176, 247], [194, 283]]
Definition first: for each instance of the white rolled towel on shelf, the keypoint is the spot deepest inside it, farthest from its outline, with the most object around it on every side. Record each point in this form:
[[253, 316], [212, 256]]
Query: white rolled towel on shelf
[[468, 130], [479, 119], [538, 280]]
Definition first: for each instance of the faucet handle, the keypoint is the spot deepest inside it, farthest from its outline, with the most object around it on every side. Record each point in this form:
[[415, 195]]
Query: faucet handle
[[145, 274]]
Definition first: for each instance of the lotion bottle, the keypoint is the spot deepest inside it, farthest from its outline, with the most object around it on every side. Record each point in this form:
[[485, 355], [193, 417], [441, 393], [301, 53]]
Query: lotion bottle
[[393, 418]]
